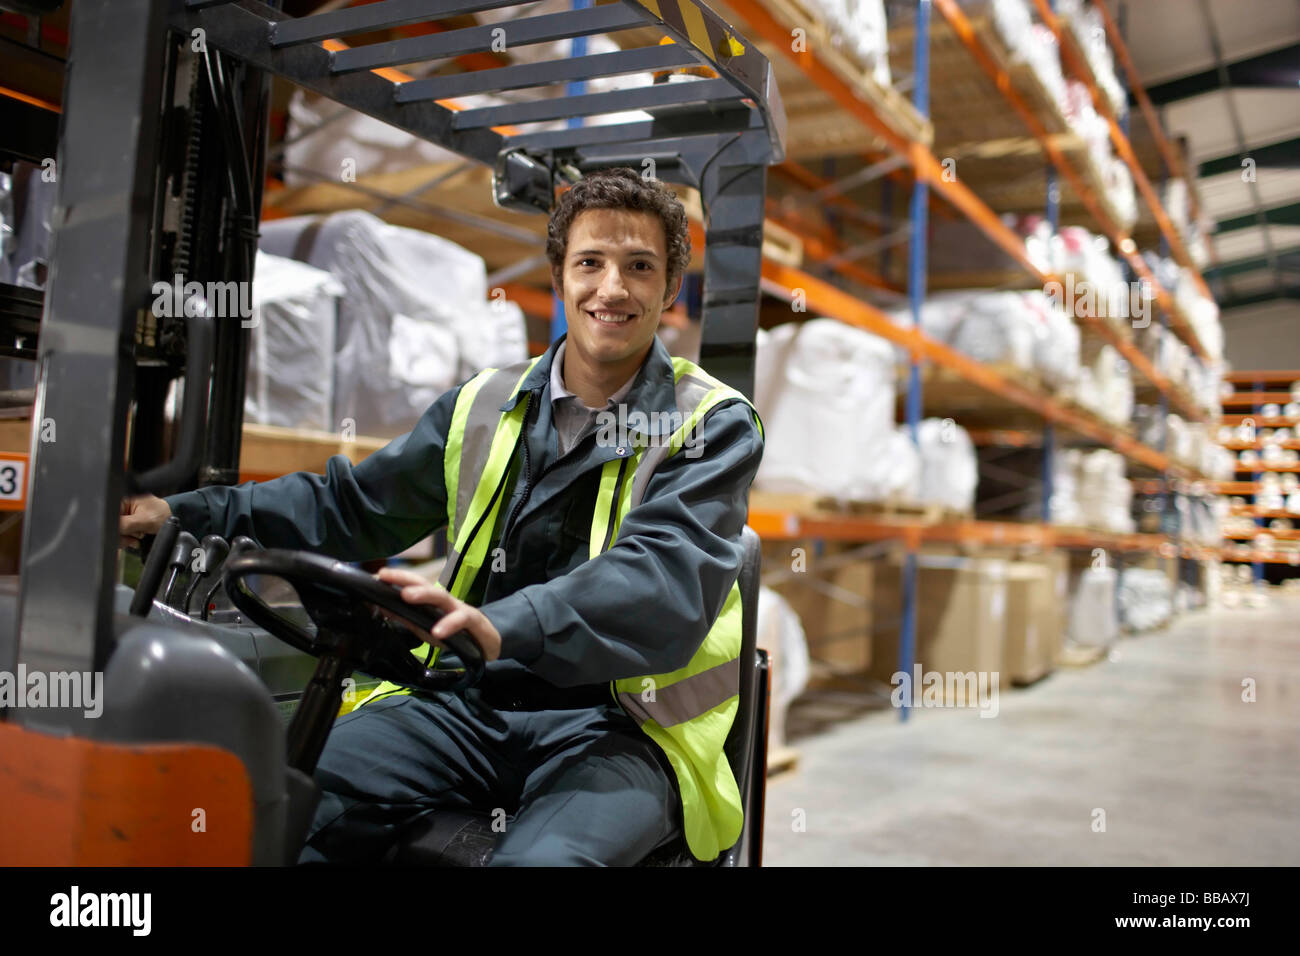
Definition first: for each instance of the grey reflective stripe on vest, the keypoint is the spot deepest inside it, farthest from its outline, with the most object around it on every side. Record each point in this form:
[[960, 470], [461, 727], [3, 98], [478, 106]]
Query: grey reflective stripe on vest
[[688, 698], [690, 391], [480, 429]]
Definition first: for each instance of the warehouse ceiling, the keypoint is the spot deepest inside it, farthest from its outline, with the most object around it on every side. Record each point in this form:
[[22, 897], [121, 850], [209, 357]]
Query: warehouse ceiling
[[1225, 75]]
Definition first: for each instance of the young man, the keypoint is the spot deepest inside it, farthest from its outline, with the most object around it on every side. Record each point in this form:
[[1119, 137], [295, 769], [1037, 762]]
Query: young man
[[597, 571]]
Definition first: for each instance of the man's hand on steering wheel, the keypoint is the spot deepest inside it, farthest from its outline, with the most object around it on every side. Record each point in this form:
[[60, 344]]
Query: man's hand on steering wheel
[[457, 615]]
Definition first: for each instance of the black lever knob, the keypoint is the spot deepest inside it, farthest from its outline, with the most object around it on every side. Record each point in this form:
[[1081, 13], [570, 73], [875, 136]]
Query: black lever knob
[[241, 544], [214, 549], [155, 566], [181, 556]]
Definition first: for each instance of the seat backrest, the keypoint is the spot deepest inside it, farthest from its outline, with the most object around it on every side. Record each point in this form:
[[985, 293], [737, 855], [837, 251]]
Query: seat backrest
[[749, 582], [743, 738]]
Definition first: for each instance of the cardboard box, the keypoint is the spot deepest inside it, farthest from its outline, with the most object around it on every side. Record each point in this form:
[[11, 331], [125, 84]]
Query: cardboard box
[[832, 594], [1057, 606], [961, 614], [1029, 650]]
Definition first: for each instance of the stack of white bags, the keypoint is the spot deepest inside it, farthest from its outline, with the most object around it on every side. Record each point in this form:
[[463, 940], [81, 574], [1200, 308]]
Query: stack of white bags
[[826, 394], [1027, 330], [1089, 490], [1145, 598], [858, 27], [291, 346], [414, 318]]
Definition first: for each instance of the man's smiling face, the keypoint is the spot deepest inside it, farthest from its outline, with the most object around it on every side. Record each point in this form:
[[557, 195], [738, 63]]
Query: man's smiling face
[[615, 286]]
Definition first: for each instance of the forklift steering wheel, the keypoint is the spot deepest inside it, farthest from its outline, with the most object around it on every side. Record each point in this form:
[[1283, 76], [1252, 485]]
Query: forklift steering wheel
[[346, 604]]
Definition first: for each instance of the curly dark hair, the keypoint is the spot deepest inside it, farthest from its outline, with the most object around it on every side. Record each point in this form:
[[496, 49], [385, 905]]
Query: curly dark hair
[[620, 188]]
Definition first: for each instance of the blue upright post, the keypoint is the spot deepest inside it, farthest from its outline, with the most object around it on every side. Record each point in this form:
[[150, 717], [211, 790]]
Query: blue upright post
[[886, 210], [1049, 453], [1167, 509], [1053, 191], [1053, 200], [559, 325], [1257, 567], [1164, 399], [1121, 21], [916, 298], [1049, 435]]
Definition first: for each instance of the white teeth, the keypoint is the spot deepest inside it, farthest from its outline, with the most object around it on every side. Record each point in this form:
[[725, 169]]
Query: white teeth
[[611, 318]]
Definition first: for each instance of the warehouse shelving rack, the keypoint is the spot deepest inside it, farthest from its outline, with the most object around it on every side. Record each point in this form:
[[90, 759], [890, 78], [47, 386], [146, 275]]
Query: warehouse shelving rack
[[718, 135], [823, 297], [913, 161], [928, 171], [715, 134], [1259, 388], [1171, 158]]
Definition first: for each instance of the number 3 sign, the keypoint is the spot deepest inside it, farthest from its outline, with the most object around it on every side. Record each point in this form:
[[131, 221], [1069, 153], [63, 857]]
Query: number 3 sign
[[13, 482]]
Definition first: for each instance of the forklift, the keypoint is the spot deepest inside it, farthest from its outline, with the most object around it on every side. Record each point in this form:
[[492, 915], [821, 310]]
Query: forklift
[[217, 699]]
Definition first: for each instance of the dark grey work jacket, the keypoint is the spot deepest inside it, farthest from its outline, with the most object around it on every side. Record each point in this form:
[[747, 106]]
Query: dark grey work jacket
[[566, 621]]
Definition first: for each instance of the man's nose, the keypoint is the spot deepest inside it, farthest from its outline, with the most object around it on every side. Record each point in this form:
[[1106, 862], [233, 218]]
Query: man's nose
[[611, 284]]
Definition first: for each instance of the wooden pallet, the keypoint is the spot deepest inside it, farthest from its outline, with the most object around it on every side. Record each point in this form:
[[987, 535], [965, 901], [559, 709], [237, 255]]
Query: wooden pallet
[[779, 243], [1074, 655], [904, 511], [895, 109], [1014, 180], [965, 106], [1124, 428], [781, 760], [946, 394], [266, 451], [1085, 163], [1016, 278], [823, 506]]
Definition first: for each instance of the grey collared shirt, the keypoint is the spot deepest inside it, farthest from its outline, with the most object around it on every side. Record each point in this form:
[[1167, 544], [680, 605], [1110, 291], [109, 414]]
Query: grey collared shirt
[[573, 419]]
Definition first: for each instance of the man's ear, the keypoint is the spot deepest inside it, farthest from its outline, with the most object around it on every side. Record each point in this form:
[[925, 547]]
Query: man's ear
[[670, 296], [557, 281]]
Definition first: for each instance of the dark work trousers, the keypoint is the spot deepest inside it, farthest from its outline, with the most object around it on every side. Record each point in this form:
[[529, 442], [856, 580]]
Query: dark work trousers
[[578, 787]]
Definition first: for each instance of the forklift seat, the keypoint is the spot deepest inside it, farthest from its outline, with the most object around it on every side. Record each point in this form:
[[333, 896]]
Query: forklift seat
[[460, 838]]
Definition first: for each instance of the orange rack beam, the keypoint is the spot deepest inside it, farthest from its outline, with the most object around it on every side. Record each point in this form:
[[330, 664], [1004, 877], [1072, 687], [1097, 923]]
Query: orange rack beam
[[1173, 161], [928, 170], [1257, 445], [1262, 557], [1250, 377], [828, 300], [792, 526], [1124, 244], [1292, 534], [1236, 487], [1078, 64], [1277, 421], [1251, 399]]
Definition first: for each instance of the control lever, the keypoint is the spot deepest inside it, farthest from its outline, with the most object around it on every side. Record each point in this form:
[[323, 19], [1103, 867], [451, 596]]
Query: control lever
[[155, 566], [240, 545], [182, 554], [214, 549]]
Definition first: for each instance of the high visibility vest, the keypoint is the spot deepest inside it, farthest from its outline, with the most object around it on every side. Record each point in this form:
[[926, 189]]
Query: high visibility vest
[[687, 712]]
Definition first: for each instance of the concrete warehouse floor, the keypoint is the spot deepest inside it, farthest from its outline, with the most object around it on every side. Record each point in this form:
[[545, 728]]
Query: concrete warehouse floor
[[1158, 737]]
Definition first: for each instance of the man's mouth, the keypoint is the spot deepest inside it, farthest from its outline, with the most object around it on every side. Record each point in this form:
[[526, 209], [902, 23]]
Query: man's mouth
[[609, 318]]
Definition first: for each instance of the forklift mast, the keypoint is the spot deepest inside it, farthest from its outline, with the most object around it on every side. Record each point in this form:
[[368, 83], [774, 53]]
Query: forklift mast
[[161, 157]]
